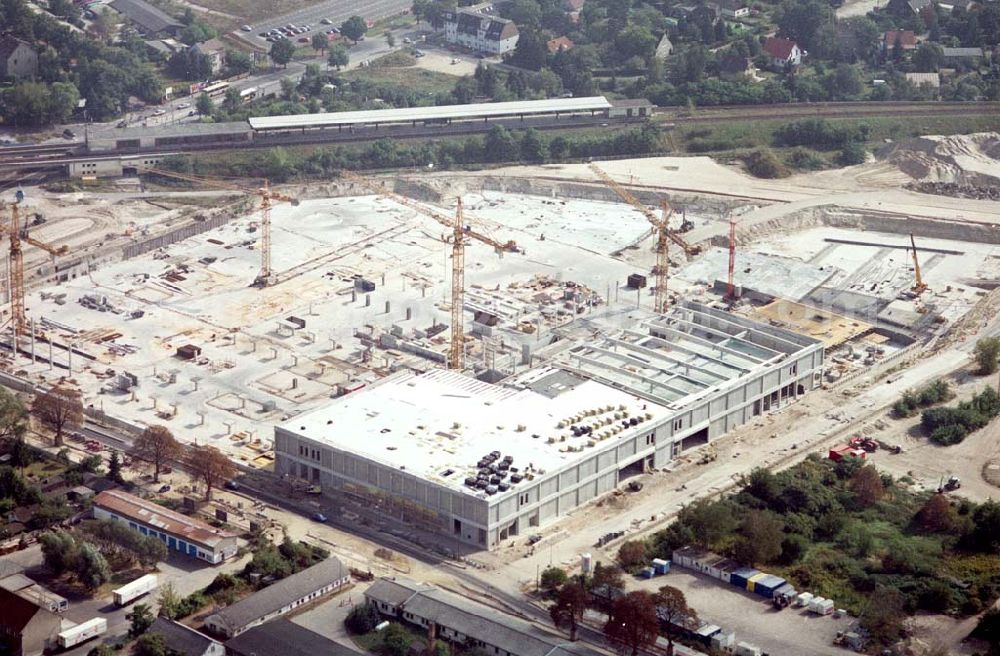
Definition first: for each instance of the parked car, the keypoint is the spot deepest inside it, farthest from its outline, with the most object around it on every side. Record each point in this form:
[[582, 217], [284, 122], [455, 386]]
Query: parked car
[[159, 112], [303, 39], [326, 21], [164, 488], [69, 134], [319, 517], [232, 485], [183, 105], [247, 28]]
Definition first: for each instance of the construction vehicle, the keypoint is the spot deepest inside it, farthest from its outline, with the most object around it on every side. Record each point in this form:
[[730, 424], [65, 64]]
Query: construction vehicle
[[267, 198], [866, 443], [460, 234], [952, 484], [919, 286]]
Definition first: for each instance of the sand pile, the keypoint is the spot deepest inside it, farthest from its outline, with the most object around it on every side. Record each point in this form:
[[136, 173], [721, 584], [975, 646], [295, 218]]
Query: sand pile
[[966, 159]]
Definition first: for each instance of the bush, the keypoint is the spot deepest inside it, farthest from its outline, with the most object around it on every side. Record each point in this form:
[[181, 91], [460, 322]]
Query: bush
[[632, 555], [951, 425], [362, 619], [816, 133], [552, 578], [805, 160], [762, 163]]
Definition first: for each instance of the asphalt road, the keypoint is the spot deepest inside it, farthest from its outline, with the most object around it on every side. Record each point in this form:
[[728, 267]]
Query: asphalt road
[[336, 10]]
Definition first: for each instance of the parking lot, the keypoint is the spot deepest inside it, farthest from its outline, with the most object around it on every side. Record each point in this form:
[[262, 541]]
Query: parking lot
[[752, 618], [335, 11]]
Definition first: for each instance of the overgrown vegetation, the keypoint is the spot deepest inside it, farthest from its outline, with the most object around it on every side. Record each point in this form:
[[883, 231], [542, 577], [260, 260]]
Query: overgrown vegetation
[[913, 400], [848, 533], [952, 425]]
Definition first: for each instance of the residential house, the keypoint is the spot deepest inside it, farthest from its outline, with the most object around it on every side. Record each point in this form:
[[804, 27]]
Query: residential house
[[952, 55], [906, 38], [146, 18], [279, 598], [733, 8], [466, 623], [17, 59], [215, 51], [179, 532], [906, 8], [735, 68], [282, 637], [26, 628], [782, 53], [477, 29], [664, 48], [559, 44], [184, 640], [573, 7]]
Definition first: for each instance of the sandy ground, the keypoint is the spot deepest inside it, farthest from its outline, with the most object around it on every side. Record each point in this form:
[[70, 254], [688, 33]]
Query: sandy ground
[[442, 61]]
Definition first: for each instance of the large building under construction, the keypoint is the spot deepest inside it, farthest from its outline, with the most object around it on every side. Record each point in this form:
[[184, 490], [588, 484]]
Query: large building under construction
[[487, 462]]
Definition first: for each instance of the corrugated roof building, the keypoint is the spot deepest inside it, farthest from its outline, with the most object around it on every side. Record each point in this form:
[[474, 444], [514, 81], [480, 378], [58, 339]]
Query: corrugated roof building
[[146, 17], [279, 598], [185, 640], [179, 532], [283, 637]]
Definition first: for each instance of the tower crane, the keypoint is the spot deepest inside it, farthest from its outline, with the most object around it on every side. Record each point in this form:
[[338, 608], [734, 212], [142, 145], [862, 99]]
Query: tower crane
[[731, 284], [267, 197], [663, 236], [919, 285], [459, 237]]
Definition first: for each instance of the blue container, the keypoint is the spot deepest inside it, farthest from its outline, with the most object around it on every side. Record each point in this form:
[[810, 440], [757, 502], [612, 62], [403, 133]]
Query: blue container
[[740, 577], [661, 566], [766, 586], [647, 572]]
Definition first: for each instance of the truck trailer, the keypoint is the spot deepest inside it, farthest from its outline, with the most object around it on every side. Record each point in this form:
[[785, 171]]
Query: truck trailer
[[132, 591], [82, 632]]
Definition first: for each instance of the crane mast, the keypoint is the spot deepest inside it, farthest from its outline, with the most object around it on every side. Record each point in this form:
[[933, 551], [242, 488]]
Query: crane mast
[[731, 286], [456, 356], [662, 261], [19, 321], [919, 285]]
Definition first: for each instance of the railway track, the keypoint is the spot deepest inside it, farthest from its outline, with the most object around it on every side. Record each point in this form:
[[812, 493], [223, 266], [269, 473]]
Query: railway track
[[33, 157]]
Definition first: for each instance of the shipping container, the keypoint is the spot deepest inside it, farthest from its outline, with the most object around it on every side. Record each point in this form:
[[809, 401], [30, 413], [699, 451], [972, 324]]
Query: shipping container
[[722, 641], [726, 569], [132, 591], [766, 586], [752, 581], [746, 649], [82, 632], [785, 591], [661, 566], [803, 599], [824, 608], [740, 576], [704, 634]]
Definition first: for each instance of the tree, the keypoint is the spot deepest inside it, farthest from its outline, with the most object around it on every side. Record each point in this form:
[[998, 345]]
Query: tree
[[232, 99], [210, 465], [936, 515], [883, 615], [567, 612], [533, 148], [204, 105], [986, 353], [115, 467], [845, 82], [709, 522], [928, 57], [60, 551], [633, 621], [632, 554], [501, 146], [152, 644], [238, 62], [157, 446], [396, 640], [338, 56], [282, 52], [673, 609], [761, 534], [354, 28], [320, 42], [141, 618], [802, 20], [60, 408], [552, 578], [607, 575], [530, 52], [169, 601], [362, 619], [866, 484], [92, 568], [13, 416], [390, 39]]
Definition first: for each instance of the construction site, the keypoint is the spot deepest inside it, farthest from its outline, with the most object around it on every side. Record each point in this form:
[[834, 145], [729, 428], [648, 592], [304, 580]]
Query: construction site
[[222, 311]]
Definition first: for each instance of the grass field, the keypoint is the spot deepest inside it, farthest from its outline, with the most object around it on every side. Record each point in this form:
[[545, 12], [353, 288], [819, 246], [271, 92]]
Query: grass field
[[406, 75]]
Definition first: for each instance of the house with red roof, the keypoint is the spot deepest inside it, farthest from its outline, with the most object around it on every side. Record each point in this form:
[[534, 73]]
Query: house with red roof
[[907, 40], [783, 53], [559, 44]]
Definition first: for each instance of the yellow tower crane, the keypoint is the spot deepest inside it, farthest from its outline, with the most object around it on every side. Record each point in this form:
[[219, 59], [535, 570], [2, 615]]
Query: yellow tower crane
[[267, 197], [919, 285], [664, 235], [460, 234]]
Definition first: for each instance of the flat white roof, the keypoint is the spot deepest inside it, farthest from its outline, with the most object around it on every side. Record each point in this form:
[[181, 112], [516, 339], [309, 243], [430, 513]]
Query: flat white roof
[[405, 114], [429, 423]]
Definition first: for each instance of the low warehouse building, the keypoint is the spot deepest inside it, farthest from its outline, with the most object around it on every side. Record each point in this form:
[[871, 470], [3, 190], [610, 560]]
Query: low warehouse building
[[25, 627], [184, 640], [283, 637], [466, 623], [486, 462], [279, 598], [179, 532]]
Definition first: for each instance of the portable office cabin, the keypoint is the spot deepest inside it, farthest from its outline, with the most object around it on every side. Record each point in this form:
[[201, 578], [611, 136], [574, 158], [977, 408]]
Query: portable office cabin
[[752, 581], [803, 599], [661, 566], [705, 633], [766, 586], [739, 577], [724, 569]]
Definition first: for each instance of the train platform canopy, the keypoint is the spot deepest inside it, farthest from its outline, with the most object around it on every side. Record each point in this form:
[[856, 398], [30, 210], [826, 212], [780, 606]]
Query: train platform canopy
[[108, 138], [440, 113]]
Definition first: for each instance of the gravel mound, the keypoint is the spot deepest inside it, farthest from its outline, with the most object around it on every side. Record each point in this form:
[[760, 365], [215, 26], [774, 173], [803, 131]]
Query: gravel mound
[[972, 159]]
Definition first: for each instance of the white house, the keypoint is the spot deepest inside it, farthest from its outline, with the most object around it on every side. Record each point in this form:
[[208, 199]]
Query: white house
[[477, 29]]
